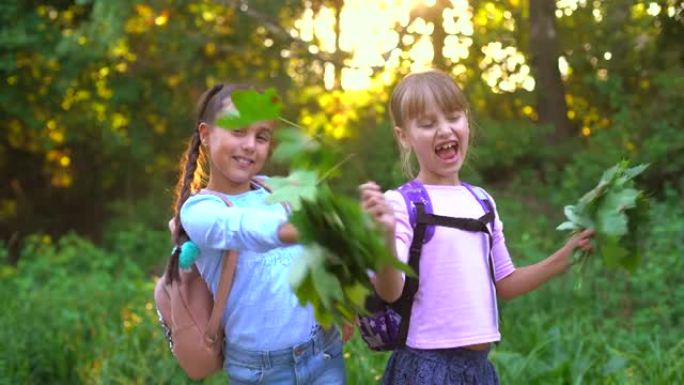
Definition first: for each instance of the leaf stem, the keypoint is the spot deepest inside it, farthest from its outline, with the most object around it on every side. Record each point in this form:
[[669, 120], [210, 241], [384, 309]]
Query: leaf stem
[[335, 167], [291, 123]]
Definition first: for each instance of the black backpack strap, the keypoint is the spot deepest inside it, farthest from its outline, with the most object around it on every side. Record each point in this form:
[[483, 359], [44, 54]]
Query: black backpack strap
[[467, 224], [404, 305], [489, 218]]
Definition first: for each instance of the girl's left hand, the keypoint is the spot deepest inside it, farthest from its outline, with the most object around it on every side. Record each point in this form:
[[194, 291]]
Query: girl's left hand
[[581, 240]]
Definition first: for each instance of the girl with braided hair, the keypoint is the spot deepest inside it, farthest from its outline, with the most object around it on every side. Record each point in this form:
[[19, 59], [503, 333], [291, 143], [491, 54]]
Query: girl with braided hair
[[270, 338]]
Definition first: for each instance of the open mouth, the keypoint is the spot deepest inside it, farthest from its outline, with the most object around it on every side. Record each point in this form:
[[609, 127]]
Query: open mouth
[[243, 162], [447, 150]]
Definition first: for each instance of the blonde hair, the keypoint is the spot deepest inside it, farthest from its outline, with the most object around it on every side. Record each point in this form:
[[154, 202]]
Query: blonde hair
[[414, 94]]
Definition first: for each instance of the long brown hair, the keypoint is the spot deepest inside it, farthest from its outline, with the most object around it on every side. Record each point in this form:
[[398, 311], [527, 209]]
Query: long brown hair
[[193, 173]]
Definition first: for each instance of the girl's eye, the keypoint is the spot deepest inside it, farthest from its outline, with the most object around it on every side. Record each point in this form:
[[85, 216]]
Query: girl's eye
[[454, 118], [263, 138], [239, 132], [426, 124]]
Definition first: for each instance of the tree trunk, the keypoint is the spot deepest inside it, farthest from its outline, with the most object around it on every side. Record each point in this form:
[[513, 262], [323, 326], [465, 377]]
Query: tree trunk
[[551, 104]]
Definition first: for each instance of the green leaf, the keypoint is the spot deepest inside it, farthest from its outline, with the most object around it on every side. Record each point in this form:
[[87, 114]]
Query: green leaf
[[292, 143], [594, 194], [621, 200], [568, 225], [611, 222], [612, 209], [631, 173], [300, 184], [251, 106], [327, 287], [612, 252], [577, 216], [357, 293], [311, 258]]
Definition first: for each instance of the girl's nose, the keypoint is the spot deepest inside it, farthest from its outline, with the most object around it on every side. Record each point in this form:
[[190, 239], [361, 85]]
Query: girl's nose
[[248, 143], [444, 129]]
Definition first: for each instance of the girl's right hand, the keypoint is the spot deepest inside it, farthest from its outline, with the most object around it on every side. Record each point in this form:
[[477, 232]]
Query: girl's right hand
[[288, 234], [374, 203]]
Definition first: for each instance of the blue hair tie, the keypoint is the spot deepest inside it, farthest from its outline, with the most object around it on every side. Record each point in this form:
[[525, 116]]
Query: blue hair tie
[[188, 254]]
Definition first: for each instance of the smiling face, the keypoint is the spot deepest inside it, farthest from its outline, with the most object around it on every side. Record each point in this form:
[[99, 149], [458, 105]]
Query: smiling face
[[430, 115], [440, 141], [235, 156]]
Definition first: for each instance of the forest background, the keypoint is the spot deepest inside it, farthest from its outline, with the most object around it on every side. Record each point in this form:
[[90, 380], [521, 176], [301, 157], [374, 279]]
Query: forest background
[[96, 103]]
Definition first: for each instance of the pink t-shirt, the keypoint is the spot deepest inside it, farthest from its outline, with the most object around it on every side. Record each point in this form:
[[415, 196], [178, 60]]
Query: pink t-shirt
[[456, 301]]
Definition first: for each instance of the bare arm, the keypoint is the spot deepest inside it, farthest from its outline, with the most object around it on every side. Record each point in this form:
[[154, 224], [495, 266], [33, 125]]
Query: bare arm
[[389, 282], [525, 279]]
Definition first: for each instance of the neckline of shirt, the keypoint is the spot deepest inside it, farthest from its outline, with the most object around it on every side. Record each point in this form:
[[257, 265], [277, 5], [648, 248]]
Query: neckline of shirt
[[444, 186]]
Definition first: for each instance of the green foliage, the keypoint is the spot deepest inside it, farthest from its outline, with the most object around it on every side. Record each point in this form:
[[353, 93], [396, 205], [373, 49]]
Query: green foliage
[[521, 141], [97, 101], [77, 314], [299, 185], [342, 242], [342, 246], [291, 143], [605, 209], [300, 151], [251, 106]]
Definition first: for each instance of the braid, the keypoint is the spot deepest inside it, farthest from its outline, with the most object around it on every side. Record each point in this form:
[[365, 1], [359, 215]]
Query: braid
[[188, 183], [184, 188]]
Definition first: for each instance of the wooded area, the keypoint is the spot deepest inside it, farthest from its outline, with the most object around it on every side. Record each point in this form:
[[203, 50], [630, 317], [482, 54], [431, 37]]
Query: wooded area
[[97, 101]]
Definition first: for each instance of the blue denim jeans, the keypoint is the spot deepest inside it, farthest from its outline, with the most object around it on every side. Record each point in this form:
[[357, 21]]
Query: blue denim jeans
[[318, 361]]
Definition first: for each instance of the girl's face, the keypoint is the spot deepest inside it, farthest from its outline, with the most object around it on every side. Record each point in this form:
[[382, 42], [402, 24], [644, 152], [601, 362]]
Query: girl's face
[[440, 142], [236, 156]]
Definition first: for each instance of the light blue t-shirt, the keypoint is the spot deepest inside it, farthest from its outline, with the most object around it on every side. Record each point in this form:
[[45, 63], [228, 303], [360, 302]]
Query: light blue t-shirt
[[262, 312]]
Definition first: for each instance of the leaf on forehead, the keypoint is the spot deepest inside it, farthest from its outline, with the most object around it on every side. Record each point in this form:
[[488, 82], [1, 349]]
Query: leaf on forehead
[[251, 106]]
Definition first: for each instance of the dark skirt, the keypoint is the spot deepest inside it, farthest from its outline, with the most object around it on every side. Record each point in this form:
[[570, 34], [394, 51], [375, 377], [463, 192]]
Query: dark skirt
[[408, 366]]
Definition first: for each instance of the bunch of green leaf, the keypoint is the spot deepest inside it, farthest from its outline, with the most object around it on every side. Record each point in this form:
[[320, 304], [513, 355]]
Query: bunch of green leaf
[[342, 244], [613, 209]]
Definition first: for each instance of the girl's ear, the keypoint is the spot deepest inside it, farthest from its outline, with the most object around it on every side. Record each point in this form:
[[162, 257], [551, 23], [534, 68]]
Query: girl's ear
[[203, 132], [401, 137]]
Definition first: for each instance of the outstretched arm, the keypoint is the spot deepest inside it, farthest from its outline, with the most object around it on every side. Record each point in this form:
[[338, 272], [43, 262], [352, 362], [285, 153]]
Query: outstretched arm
[[213, 225], [528, 278]]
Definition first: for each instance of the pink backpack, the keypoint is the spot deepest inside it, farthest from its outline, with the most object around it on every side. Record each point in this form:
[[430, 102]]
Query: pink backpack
[[192, 320]]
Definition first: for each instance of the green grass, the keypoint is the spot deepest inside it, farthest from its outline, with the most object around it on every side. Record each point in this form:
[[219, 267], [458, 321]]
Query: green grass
[[74, 313]]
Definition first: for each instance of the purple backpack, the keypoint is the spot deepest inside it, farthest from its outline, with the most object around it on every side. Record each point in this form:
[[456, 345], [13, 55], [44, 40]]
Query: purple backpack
[[386, 328]]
